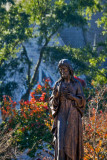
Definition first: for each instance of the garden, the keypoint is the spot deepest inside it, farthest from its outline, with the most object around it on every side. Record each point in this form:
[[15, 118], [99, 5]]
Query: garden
[[26, 119], [30, 127]]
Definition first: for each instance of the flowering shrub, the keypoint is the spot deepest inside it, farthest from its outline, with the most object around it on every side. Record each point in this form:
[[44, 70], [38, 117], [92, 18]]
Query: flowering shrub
[[95, 136], [30, 126], [95, 127], [33, 117], [8, 109]]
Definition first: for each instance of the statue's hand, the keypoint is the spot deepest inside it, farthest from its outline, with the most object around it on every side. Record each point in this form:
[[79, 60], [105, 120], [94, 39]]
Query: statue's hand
[[73, 97], [56, 93], [70, 96]]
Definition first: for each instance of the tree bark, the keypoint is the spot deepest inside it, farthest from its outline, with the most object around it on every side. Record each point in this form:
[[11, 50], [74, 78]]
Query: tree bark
[[32, 80]]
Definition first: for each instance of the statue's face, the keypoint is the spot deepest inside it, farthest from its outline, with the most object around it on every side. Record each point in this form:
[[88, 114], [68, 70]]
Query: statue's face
[[64, 71]]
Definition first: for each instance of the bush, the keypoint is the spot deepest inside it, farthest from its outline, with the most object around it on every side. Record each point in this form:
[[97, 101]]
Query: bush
[[95, 126], [29, 127], [33, 119]]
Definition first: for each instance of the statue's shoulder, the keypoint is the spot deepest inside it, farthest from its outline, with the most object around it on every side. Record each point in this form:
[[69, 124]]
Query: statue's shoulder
[[58, 82], [76, 81]]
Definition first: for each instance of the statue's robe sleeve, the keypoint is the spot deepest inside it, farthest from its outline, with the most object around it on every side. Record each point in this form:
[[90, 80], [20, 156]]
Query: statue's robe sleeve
[[54, 102], [81, 102], [54, 106]]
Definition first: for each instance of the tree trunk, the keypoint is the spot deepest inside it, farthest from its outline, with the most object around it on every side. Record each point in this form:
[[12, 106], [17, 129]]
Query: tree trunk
[[26, 95], [31, 83]]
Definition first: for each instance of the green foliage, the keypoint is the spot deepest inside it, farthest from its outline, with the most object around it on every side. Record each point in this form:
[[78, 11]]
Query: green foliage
[[14, 30], [42, 19], [85, 61], [102, 22]]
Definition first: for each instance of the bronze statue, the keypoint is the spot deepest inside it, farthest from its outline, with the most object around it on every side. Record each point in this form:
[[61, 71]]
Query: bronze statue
[[67, 104]]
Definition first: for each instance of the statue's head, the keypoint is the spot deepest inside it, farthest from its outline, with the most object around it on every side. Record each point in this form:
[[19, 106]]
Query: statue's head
[[65, 68]]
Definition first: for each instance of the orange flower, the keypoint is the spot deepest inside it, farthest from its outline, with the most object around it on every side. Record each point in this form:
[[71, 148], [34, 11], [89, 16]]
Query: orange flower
[[26, 102], [24, 115], [39, 87], [14, 104], [8, 108], [46, 107], [48, 80], [42, 98], [4, 111], [32, 94]]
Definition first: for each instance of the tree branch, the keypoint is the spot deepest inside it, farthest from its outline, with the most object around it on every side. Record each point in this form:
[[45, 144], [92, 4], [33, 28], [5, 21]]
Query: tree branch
[[29, 64], [38, 63]]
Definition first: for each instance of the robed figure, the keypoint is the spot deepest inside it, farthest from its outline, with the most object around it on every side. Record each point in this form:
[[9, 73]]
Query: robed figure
[[67, 105]]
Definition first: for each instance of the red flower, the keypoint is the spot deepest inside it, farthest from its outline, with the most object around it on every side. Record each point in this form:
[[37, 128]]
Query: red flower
[[89, 125], [32, 125], [4, 111], [24, 115], [43, 94], [32, 100], [39, 87], [14, 104], [47, 80], [46, 107], [23, 129], [8, 108], [32, 94], [26, 102], [100, 111], [42, 98]]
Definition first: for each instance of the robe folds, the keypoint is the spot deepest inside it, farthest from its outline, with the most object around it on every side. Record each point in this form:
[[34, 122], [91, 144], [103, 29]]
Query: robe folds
[[67, 126]]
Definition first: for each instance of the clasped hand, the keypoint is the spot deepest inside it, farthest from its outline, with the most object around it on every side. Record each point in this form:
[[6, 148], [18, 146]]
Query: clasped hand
[[68, 94]]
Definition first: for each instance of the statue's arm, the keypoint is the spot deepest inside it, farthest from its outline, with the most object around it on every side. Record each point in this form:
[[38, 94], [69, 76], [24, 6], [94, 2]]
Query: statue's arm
[[54, 100], [79, 97]]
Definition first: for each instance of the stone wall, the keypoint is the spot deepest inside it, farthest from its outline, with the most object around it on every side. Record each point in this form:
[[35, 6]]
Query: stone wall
[[78, 37]]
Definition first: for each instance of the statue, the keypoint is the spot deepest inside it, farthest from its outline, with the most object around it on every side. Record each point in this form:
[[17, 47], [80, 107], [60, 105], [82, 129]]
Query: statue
[[67, 104]]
